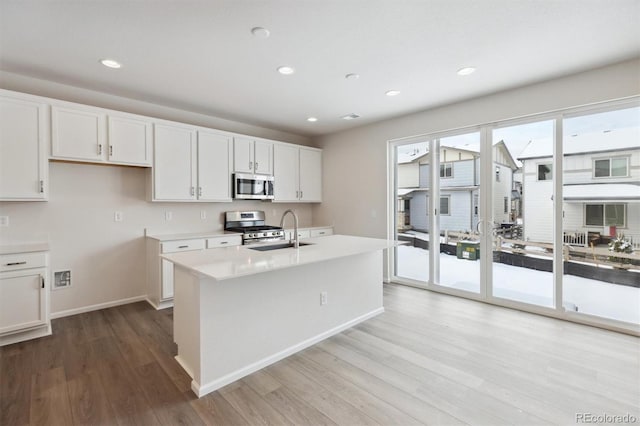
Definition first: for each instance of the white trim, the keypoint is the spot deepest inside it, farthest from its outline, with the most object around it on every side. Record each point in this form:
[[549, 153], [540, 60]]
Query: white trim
[[203, 389], [23, 335], [97, 307], [186, 367], [164, 304]]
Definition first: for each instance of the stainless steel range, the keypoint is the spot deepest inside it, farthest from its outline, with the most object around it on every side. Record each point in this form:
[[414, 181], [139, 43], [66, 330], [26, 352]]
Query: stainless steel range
[[251, 225]]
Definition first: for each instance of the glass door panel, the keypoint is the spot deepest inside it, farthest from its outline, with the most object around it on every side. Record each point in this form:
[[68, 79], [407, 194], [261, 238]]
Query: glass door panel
[[458, 212], [412, 211], [522, 211], [601, 214]]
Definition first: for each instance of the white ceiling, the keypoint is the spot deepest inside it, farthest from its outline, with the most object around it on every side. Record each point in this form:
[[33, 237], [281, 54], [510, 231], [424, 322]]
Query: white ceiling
[[201, 55]]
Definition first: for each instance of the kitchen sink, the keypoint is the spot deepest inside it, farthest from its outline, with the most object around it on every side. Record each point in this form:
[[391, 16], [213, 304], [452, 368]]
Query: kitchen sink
[[277, 246]]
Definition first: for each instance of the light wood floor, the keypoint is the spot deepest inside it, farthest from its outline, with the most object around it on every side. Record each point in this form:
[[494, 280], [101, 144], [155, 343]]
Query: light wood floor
[[429, 359]]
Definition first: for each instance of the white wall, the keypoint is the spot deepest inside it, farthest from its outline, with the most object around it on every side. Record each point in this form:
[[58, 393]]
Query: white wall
[[107, 259], [355, 161]]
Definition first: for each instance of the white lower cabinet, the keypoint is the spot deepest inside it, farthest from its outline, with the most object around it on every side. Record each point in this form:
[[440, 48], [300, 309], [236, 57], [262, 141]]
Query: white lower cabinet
[[309, 232], [24, 287], [160, 271]]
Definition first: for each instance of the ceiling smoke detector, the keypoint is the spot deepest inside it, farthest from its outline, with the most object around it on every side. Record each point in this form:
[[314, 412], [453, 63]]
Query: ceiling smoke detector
[[351, 116], [110, 63], [286, 70]]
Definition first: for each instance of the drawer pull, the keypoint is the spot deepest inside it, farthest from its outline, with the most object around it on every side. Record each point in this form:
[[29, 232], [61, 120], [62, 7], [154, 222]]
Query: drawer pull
[[224, 242], [15, 263], [183, 246], [320, 233]]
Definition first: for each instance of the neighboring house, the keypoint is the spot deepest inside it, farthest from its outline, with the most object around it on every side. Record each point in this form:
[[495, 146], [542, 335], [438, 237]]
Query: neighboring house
[[601, 187], [459, 188]]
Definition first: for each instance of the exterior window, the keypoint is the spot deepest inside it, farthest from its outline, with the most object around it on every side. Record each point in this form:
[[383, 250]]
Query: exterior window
[[506, 204], [611, 167], [444, 205], [545, 171], [497, 173], [446, 170], [604, 214]]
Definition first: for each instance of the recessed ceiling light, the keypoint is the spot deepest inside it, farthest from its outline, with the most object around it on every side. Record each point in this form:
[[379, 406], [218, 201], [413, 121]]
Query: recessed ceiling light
[[392, 93], [260, 32], [110, 63], [312, 119], [286, 70], [352, 76], [466, 71], [351, 116]]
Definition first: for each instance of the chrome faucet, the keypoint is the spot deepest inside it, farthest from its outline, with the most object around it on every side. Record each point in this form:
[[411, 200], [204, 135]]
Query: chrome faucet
[[295, 226]]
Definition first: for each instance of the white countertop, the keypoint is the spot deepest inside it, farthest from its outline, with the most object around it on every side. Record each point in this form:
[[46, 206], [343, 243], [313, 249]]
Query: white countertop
[[231, 262], [23, 248], [190, 235]]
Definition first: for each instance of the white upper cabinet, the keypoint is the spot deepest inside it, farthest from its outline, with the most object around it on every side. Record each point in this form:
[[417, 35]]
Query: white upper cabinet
[[24, 138], [215, 156], [310, 175], [174, 169], [191, 165], [80, 133], [252, 155], [298, 174], [285, 171], [130, 140]]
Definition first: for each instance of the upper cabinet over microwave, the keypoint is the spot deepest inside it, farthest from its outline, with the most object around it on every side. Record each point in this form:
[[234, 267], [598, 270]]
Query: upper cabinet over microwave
[[253, 156]]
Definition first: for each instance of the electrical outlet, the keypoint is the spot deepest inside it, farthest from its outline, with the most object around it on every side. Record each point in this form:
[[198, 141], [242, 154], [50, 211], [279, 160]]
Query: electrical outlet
[[323, 298], [168, 215], [4, 221], [203, 214], [117, 216]]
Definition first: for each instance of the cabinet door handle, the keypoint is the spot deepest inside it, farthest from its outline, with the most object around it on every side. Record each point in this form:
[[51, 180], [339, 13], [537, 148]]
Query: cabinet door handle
[[16, 263], [199, 191], [42, 281], [183, 246], [110, 150], [250, 165], [99, 149], [301, 195], [224, 242], [256, 166], [297, 194], [41, 186], [193, 191]]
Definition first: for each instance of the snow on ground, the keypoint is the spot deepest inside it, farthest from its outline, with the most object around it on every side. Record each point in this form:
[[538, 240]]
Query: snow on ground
[[526, 285]]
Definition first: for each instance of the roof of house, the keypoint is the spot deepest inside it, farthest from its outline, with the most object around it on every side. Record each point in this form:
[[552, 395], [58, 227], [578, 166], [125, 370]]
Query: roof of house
[[613, 140], [601, 192]]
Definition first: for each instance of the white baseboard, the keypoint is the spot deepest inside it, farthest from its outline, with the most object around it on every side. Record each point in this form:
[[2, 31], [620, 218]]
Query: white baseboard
[[21, 336], [162, 305], [202, 390], [97, 307]]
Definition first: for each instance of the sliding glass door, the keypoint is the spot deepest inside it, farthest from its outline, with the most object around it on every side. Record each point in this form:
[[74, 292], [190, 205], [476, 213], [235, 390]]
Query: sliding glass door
[[541, 215], [522, 212]]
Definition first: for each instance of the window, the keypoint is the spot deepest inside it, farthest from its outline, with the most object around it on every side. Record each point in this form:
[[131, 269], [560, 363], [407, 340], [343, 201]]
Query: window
[[611, 167], [545, 171], [506, 204], [446, 170], [497, 173], [444, 205], [604, 214]]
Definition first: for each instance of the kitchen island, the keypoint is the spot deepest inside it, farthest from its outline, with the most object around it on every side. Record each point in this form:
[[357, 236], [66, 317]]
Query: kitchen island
[[237, 310]]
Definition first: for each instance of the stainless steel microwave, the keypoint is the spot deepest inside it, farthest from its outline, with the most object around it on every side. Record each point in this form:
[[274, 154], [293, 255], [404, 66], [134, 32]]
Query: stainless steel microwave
[[252, 187]]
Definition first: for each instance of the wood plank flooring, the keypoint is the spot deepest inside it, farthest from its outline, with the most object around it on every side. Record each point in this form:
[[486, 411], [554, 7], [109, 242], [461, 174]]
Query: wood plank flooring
[[429, 359]]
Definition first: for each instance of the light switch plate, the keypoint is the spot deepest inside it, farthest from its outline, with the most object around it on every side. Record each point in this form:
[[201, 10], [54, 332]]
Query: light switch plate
[[4, 221], [203, 214], [117, 216], [168, 215]]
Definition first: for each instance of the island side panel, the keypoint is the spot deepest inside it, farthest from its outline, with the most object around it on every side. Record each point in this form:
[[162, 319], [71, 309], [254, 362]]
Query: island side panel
[[186, 321], [250, 322]]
